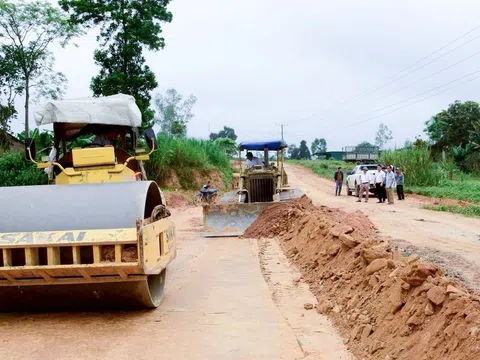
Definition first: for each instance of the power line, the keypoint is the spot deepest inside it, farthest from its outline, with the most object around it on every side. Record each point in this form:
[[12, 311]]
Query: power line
[[367, 91], [440, 49], [413, 103], [426, 92], [433, 74]]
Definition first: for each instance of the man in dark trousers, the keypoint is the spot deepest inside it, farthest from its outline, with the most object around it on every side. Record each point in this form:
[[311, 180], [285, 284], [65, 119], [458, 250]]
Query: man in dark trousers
[[380, 184], [338, 177], [399, 179]]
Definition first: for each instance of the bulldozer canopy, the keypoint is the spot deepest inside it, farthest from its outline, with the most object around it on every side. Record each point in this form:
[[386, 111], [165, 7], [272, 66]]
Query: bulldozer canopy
[[117, 109], [261, 145]]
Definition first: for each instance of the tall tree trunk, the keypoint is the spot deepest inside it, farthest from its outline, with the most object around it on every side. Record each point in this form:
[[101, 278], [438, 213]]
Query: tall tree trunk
[[27, 100]]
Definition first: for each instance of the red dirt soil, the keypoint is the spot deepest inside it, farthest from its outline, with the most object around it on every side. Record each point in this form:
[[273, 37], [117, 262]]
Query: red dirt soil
[[177, 200], [385, 305]]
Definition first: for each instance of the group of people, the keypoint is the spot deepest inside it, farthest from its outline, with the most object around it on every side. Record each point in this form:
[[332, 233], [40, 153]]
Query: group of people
[[386, 179]]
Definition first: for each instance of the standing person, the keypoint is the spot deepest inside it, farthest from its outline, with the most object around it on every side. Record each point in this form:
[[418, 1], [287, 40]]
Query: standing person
[[384, 190], [380, 184], [364, 185], [399, 179], [338, 177], [389, 182]]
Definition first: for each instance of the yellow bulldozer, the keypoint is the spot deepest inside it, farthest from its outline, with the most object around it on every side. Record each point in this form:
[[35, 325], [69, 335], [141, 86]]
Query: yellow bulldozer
[[257, 186], [99, 235]]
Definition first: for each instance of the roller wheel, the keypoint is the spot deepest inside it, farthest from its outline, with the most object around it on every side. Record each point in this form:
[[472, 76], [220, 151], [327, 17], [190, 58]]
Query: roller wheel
[[117, 295], [156, 289]]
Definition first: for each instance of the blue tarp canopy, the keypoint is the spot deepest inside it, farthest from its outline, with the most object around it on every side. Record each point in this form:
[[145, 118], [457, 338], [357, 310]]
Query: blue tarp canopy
[[261, 145]]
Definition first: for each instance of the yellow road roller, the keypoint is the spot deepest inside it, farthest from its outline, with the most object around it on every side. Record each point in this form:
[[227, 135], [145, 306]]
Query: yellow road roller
[[99, 235]]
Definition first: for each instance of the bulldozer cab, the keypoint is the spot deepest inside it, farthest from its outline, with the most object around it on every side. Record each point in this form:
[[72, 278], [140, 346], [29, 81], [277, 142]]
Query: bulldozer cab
[[260, 182], [96, 146]]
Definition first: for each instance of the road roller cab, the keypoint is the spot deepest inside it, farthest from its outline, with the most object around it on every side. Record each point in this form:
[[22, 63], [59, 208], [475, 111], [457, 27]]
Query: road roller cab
[[99, 236]]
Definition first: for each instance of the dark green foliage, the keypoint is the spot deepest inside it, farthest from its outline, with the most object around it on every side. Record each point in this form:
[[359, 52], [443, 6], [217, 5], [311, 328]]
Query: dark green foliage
[[319, 146], [43, 140], [227, 132], [28, 29], [365, 145], [184, 155], [293, 152], [304, 152], [228, 145], [454, 126], [126, 27], [16, 171]]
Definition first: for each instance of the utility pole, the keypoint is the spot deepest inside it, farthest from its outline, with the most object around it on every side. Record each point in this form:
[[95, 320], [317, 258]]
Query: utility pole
[[282, 125]]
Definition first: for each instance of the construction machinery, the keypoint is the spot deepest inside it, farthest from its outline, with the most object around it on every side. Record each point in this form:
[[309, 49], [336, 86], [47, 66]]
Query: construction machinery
[[99, 235], [256, 187]]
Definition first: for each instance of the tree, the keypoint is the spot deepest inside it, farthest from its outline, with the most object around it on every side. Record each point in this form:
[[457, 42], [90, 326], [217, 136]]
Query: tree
[[228, 145], [383, 136], [293, 152], [304, 152], [29, 29], [173, 113], [43, 140], [453, 127], [227, 132], [476, 135], [9, 89], [319, 146], [365, 145], [126, 28]]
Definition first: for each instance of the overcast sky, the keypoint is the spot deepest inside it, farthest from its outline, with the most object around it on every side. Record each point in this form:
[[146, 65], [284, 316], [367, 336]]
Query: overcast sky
[[254, 64]]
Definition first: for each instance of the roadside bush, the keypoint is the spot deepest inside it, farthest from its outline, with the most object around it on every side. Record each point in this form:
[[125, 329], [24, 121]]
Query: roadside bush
[[16, 171], [418, 166], [472, 162], [325, 168], [184, 155]]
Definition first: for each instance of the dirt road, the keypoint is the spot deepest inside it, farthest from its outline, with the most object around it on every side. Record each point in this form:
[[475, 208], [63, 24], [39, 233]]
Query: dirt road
[[451, 240], [217, 306]]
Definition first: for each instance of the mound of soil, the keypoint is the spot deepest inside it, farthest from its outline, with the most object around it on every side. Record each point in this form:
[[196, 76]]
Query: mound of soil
[[214, 176], [386, 306], [177, 200]]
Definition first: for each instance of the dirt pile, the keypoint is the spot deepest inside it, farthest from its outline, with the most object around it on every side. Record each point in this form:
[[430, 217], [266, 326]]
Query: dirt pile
[[196, 179], [178, 200], [385, 305]]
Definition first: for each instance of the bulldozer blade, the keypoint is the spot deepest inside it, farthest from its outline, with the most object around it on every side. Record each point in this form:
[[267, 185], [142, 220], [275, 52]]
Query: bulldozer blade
[[289, 194], [223, 220]]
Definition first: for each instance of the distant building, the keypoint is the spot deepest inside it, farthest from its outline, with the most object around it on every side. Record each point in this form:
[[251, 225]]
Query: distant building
[[327, 155], [16, 145]]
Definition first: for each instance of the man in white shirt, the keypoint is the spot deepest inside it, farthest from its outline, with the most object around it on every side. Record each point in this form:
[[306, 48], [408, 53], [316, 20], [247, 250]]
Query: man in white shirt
[[389, 184], [380, 184], [252, 160], [364, 185]]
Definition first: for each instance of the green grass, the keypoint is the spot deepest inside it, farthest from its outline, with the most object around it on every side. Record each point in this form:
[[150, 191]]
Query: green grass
[[325, 168], [184, 155], [468, 210], [466, 190]]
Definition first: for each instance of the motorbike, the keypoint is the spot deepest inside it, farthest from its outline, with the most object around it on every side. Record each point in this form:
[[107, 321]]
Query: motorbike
[[207, 195]]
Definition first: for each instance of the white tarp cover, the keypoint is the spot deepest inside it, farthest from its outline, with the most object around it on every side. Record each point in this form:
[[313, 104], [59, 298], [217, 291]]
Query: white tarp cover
[[117, 109]]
